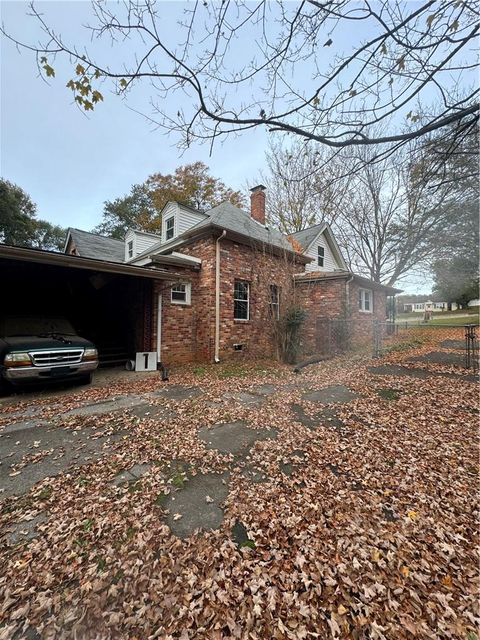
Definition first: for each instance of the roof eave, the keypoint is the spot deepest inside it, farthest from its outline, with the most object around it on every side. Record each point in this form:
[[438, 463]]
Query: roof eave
[[79, 262]]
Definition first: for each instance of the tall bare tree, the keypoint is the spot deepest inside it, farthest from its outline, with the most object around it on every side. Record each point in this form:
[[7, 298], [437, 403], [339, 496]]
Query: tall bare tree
[[323, 70], [392, 215], [304, 185], [386, 220]]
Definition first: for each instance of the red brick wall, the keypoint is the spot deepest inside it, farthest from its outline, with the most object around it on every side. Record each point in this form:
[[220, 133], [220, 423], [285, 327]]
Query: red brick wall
[[362, 322], [327, 299], [260, 270], [188, 332]]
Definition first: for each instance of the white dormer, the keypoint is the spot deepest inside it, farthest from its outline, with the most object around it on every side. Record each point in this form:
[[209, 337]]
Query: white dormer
[[178, 218], [136, 242]]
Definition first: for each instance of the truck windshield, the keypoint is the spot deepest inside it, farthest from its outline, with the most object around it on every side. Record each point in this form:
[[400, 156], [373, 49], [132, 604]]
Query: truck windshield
[[34, 326]]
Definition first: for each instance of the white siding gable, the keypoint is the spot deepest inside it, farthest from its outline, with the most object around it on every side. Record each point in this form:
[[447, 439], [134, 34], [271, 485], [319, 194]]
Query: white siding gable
[[183, 219], [136, 242], [329, 262]]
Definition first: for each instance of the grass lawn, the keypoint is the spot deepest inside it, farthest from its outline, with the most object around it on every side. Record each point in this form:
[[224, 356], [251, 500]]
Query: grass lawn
[[472, 318]]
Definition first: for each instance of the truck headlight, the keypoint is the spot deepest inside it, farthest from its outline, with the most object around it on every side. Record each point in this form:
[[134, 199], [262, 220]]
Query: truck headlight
[[17, 360], [90, 354]]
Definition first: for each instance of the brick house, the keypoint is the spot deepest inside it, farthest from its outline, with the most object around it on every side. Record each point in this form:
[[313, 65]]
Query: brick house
[[231, 277]]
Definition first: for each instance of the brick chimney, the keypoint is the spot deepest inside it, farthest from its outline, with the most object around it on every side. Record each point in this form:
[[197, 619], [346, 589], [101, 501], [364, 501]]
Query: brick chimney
[[257, 203]]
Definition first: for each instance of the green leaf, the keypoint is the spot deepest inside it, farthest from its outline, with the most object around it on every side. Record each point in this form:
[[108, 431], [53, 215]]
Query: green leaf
[[43, 60], [71, 85], [79, 70], [123, 83], [430, 19], [454, 26], [353, 92], [384, 49], [97, 74], [49, 71], [87, 105], [97, 96], [401, 63]]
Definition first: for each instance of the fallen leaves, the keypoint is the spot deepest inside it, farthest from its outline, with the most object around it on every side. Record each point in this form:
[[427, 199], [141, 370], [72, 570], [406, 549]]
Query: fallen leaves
[[371, 536]]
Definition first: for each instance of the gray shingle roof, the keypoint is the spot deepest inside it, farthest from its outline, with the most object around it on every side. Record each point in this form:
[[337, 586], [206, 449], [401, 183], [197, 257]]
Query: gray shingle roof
[[228, 216], [307, 236], [90, 245]]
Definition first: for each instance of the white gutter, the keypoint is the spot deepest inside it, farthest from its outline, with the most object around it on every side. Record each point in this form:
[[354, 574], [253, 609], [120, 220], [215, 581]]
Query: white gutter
[[217, 297]]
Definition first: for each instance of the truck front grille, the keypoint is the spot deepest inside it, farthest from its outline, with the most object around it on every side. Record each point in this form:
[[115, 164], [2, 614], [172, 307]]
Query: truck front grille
[[57, 357]]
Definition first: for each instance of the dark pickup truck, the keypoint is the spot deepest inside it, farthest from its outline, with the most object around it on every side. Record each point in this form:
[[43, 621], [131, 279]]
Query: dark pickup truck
[[40, 349]]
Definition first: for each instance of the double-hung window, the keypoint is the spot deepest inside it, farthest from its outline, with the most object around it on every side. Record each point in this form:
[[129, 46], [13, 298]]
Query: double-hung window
[[321, 256], [365, 300], [275, 301], [241, 300], [130, 249], [169, 228], [181, 294]]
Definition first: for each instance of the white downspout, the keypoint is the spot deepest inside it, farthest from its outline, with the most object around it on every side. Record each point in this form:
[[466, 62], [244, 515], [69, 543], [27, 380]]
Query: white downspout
[[217, 297]]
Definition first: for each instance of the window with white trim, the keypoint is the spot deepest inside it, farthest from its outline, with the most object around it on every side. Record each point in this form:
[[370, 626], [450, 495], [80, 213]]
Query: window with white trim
[[321, 256], [181, 293], [365, 300], [275, 301], [169, 228], [130, 249], [241, 300]]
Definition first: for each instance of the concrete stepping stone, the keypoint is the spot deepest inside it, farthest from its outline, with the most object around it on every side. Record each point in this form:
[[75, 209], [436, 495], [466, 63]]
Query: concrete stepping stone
[[234, 437], [264, 389], [197, 504], [178, 392], [453, 344], [287, 468], [245, 398], [300, 416], [107, 406], [152, 412], [333, 394], [132, 474], [253, 475], [397, 370], [240, 536], [25, 530], [441, 357]]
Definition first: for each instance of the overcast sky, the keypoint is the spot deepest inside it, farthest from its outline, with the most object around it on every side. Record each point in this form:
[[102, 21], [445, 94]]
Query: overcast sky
[[70, 163]]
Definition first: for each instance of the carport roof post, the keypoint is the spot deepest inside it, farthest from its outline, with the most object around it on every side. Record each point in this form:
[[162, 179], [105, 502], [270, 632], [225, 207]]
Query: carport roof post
[[77, 262]]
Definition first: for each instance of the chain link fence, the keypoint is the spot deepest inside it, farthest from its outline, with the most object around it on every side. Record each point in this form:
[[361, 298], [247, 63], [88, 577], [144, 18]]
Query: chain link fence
[[388, 337], [337, 336]]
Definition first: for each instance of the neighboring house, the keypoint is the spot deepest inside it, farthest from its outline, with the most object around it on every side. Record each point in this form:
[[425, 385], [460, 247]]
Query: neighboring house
[[427, 305], [233, 274]]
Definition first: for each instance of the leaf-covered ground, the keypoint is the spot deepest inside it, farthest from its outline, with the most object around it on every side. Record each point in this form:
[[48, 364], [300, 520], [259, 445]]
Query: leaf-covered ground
[[352, 516]]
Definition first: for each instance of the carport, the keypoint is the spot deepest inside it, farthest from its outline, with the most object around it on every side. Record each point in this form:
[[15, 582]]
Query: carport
[[108, 303]]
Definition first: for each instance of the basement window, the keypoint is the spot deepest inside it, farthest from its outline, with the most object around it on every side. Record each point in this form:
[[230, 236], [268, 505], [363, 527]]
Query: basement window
[[181, 294], [321, 256], [241, 300], [365, 300]]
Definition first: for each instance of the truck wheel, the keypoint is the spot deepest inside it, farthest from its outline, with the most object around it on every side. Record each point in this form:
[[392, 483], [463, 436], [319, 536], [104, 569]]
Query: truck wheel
[[4, 388], [87, 379]]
